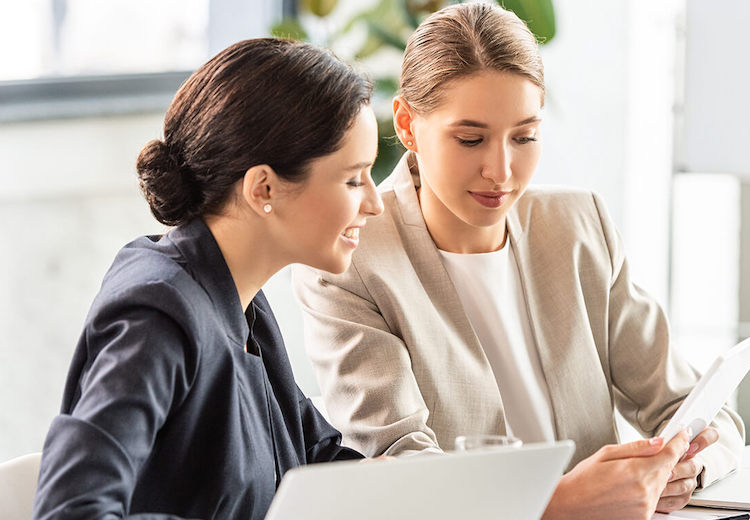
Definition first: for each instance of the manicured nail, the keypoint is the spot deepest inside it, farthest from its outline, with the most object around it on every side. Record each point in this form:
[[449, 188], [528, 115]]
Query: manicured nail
[[692, 449], [655, 441], [685, 451]]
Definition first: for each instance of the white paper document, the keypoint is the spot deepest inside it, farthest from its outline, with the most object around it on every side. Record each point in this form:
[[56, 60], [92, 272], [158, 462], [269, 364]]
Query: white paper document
[[711, 392], [733, 492], [699, 513]]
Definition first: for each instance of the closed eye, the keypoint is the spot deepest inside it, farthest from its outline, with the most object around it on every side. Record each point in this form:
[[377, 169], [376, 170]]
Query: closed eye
[[355, 184], [469, 142], [524, 140]]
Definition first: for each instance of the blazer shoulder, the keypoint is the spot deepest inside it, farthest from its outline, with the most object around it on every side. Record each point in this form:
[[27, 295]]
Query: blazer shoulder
[[560, 206], [152, 277], [551, 196], [566, 216]]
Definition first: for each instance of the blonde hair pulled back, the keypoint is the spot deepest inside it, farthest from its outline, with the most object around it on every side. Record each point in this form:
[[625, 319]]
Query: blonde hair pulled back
[[463, 39]]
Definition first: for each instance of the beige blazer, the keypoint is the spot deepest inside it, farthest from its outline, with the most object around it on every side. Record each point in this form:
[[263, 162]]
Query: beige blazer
[[401, 369]]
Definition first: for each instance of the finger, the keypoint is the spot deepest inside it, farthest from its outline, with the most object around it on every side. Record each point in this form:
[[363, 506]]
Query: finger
[[378, 459], [685, 469], [640, 448], [676, 448], [672, 503], [702, 441], [681, 487]]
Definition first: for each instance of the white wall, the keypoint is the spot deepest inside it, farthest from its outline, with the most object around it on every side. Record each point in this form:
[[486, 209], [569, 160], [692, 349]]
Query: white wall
[[68, 201], [710, 295], [585, 119], [716, 130], [705, 274], [610, 74]]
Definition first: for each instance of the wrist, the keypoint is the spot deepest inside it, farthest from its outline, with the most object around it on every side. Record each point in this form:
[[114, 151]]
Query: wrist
[[558, 507]]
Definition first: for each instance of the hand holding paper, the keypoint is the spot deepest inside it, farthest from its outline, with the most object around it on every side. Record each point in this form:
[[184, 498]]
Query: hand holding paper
[[684, 478], [712, 391]]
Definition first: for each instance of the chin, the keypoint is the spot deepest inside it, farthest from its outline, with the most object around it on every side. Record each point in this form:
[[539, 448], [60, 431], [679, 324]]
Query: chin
[[336, 265], [485, 220], [338, 269]]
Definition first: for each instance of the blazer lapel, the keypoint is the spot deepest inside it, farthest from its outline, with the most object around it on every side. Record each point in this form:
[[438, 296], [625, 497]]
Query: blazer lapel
[[547, 356], [572, 371], [428, 265]]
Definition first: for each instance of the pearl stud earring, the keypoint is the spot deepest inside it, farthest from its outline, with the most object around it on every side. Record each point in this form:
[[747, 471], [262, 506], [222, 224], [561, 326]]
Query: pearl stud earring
[[267, 208], [409, 143]]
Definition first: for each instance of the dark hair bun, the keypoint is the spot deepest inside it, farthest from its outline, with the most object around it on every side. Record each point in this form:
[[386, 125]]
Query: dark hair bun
[[170, 189], [262, 101]]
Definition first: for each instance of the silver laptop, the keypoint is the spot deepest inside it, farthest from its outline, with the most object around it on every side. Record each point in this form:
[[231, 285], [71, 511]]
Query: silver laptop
[[512, 483]]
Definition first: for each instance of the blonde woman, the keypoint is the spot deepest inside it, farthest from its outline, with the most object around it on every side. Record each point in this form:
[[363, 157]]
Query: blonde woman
[[478, 305]]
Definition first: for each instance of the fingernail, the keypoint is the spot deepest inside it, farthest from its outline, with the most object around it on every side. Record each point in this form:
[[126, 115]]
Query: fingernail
[[655, 441], [692, 449]]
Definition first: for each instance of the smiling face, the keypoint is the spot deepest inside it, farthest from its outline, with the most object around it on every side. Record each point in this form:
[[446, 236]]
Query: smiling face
[[476, 153], [322, 216]]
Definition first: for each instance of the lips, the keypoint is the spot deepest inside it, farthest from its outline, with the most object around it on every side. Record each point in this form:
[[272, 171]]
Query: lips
[[352, 233], [351, 236], [490, 199]]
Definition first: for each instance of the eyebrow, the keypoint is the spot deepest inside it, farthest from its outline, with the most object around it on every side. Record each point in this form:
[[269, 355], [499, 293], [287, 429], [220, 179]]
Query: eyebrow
[[359, 166], [477, 124]]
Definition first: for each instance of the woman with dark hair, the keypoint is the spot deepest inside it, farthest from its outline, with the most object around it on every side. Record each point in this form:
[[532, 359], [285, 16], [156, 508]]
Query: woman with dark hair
[[180, 401]]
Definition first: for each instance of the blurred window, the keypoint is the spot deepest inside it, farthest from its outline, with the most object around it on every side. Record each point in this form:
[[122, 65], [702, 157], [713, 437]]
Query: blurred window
[[73, 58], [46, 38]]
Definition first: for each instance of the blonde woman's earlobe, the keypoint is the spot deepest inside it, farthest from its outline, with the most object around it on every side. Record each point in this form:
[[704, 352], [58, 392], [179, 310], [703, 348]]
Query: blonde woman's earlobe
[[403, 122]]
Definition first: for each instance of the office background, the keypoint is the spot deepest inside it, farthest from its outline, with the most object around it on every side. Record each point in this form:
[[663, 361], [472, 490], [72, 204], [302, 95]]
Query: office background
[[647, 104]]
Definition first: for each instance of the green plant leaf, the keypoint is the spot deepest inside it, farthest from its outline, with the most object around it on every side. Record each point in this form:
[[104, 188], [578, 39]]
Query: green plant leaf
[[386, 86], [424, 6], [389, 151], [408, 14], [378, 29], [289, 28], [386, 13], [372, 45], [539, 15], [319, 7]]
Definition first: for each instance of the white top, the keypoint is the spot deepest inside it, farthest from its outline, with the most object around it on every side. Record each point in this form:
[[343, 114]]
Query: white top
[[489, 287]]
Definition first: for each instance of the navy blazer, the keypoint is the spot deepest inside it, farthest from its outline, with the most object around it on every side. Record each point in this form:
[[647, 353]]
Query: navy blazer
[[165, 414]]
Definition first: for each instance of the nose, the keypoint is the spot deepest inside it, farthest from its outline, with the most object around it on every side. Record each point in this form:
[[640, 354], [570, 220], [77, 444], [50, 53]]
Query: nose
[[372, 204], [498, 166]]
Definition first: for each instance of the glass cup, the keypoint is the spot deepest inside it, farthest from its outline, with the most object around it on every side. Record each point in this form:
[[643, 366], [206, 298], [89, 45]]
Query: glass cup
[[486, 442]]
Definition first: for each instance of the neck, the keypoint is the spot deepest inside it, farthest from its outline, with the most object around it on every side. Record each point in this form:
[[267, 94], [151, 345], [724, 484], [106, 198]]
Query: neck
[[246, 251], [452, 234]]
